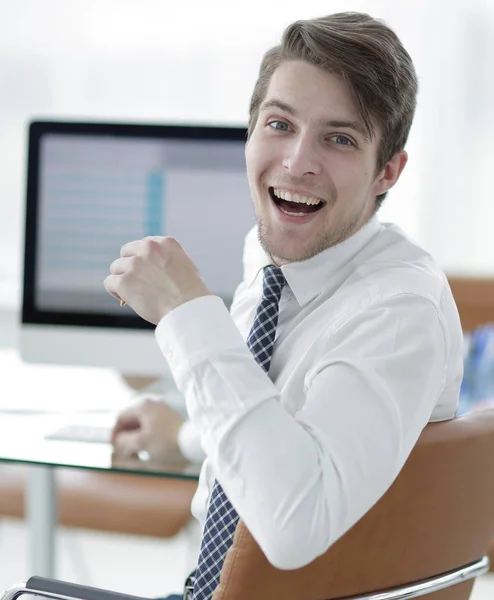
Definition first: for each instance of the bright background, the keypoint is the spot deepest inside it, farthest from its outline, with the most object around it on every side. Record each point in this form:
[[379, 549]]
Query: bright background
[[195, 61]]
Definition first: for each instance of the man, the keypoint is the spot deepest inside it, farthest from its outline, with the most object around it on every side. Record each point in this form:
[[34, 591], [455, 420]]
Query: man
[[353, 338]]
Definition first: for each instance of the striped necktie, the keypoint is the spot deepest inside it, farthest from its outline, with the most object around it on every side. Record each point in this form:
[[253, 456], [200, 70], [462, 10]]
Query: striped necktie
[[222, 518]]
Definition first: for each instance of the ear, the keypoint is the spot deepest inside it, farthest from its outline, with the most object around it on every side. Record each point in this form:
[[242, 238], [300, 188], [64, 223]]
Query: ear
[[391, 173]]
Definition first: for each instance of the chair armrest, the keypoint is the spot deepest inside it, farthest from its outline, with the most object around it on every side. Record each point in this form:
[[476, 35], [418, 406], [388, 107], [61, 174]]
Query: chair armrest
[[54, 588]]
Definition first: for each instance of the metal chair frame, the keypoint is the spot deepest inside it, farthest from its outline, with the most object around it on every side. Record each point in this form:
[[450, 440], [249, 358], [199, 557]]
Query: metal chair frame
[[61, 590]]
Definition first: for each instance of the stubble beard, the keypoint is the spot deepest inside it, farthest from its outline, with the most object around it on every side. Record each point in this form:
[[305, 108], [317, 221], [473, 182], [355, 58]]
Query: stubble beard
[[322, 241]]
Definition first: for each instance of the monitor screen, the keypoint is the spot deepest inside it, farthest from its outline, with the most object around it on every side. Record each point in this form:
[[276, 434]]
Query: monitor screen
[[92, 187]]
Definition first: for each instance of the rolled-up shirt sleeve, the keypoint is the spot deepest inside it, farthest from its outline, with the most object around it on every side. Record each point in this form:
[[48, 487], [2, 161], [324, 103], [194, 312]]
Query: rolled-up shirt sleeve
[[299, 481]]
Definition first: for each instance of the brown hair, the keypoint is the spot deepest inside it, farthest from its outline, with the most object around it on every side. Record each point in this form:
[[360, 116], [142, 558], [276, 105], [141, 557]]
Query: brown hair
[[370, 58]]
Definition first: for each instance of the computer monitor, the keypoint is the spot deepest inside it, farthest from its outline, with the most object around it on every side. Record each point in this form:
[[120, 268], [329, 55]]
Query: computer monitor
[[92, 187]]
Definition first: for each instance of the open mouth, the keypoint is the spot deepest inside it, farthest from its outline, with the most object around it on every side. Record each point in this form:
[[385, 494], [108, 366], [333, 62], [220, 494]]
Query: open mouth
[[295, 205]]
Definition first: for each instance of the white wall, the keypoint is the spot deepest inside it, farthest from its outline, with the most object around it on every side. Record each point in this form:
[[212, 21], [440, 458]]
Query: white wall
[[159, 61]]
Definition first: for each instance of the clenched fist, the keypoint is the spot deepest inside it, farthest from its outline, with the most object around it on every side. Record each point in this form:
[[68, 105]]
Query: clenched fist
[[153, 276]]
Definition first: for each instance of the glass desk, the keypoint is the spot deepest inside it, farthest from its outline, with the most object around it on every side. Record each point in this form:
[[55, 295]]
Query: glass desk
[[22, 440]]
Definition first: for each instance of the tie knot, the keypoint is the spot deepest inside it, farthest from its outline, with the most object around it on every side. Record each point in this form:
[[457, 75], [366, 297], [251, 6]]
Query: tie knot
[[273, 283]]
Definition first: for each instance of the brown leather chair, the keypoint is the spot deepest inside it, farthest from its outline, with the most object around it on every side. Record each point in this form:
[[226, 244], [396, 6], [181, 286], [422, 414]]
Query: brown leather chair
[[113, 502], [474, 297], [430, 531], [437, 516]]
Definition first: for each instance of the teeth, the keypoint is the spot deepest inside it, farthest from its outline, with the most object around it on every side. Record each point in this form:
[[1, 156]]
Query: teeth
[[296, 198], [293, 214]]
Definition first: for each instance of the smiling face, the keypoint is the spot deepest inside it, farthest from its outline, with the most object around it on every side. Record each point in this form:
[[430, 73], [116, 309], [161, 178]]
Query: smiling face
[[311, 166]]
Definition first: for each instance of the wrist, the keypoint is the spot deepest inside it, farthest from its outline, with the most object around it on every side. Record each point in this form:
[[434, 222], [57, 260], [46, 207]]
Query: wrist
[[167, 308]]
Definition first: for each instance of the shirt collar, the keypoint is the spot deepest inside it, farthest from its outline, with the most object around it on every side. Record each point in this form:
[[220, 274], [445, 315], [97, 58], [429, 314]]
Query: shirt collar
[[308, 278]]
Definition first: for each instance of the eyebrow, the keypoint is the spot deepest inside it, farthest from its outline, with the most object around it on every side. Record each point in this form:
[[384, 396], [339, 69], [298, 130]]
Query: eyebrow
[[348, 124]]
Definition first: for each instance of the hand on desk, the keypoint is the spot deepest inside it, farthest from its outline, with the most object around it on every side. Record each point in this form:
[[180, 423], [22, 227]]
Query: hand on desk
[[154, 276], [150, 426]]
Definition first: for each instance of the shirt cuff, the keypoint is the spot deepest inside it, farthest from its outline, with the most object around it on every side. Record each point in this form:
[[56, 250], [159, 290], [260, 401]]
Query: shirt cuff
[[195, 331], [189, 442]]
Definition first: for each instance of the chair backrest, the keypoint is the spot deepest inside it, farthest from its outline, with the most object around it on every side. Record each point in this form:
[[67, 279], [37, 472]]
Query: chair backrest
[[474, 297], [437, 516]]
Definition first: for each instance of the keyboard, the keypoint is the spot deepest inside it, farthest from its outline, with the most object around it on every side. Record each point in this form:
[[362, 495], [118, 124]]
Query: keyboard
[[95, 434]]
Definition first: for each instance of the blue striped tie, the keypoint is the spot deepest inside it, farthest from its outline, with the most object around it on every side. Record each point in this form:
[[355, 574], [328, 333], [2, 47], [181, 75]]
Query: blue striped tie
[[222, 518]]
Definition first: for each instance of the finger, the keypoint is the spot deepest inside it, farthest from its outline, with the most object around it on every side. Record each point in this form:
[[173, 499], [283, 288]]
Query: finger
[[111, 283], [141, 247], [120, 266], [129, 443], [131, 417], [125, 422], [131, 248]]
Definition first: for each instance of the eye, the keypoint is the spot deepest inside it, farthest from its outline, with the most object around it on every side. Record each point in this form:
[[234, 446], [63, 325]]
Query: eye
[[341, 140], [279, 125]]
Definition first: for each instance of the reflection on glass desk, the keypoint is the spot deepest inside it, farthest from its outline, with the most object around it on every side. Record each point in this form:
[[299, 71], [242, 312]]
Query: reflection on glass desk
[[23, 439]]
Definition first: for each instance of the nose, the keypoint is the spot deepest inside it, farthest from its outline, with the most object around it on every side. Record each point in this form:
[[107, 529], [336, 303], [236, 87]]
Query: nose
[[302, 157]]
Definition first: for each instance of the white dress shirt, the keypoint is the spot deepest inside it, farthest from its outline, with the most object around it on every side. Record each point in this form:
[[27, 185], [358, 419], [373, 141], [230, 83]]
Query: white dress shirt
[[368, 350]]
